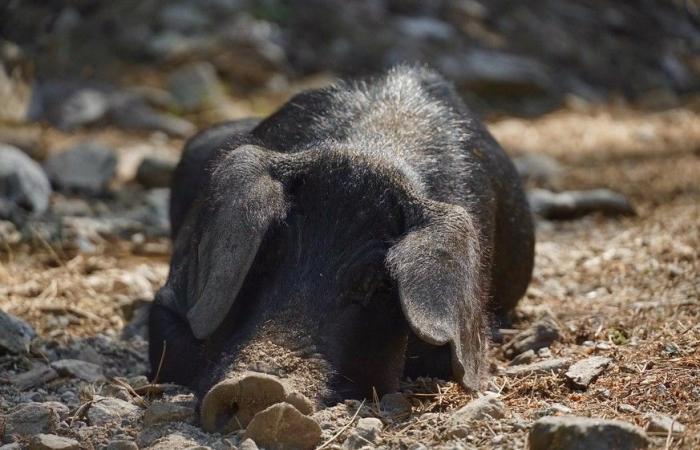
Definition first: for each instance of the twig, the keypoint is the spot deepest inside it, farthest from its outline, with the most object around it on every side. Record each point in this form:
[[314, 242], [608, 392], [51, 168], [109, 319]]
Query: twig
[[160, 365], [345, 427], [80, 411], [51, 250]]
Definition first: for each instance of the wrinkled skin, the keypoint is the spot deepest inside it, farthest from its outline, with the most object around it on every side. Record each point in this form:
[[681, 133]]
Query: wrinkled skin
[[362, 233]]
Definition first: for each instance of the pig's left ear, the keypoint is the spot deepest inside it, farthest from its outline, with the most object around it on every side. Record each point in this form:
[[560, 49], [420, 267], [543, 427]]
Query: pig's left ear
[[439, 270], [243, 201]]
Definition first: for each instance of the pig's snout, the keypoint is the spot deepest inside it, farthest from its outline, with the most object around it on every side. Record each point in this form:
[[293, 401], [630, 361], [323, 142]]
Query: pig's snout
[[257, 401]]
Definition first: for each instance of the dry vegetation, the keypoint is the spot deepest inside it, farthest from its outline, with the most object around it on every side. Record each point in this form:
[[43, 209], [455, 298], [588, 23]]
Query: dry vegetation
[[625, 288]]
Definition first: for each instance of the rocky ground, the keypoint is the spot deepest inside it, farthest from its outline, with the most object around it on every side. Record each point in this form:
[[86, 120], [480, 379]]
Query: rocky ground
[[609, 328]]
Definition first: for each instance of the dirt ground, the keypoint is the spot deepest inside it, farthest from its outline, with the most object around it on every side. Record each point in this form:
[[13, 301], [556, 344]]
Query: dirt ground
[[627, 288]]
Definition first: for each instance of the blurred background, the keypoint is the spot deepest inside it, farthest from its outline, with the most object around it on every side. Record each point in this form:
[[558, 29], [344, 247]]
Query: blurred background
[[505, 56]]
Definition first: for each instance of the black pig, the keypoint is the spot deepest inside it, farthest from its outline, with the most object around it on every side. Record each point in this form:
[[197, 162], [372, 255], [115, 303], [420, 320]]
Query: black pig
[[364, 232]]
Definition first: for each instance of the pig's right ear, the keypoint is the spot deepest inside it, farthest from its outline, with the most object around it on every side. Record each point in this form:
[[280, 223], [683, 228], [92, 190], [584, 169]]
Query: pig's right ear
[[244, 200], [439, 270]]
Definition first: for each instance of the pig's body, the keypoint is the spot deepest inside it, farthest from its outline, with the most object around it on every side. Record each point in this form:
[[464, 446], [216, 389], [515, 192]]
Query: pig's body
[[387, 191]]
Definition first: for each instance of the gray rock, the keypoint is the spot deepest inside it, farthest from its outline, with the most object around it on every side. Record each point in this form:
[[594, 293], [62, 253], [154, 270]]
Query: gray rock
[[121, 444], [583, 433], [15, 334], [488, 406], [86, 169], [481, 70], [150, 435], [574, 204], [159, 412], [182, 17], [395, 405], [195, 86], [541, 334], [59, 408], [248, 444], [145, 118], [52, 442], [366, 431], [31, 419], [12, 446], [24, 188], [659, 423], [425, 28], [68, 104], [74, 103], [542, 367], [369, 428], [253, 55], [106, 410], [537, 168], [626, 408], [84, 370], [37, 375], [155, 172], [176, 441], [525, 357], [584, 372], [553, 410]]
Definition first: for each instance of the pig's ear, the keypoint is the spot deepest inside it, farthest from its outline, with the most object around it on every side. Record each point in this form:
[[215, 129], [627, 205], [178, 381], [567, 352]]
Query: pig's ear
[[243, 201], [438, 267]]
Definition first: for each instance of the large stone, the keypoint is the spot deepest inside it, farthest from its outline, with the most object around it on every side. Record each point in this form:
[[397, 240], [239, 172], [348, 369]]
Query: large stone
[[110, 410], [488, 406], [176, 441], [36, 376], [283, 427], [584, 372], [574, 204], [15, 334], [121, 444], [366, 432], [68, 104], [84, 370], [248, 444], [86, 169], [195, 86], [159, 412], [31, 419], [182, 17], [52, 442], [539, 335], [541, 367], [538, 169], [583, 433], [163, 433], [395, 405], [659, 423], [24, 188], [155, 172], [485, 70]]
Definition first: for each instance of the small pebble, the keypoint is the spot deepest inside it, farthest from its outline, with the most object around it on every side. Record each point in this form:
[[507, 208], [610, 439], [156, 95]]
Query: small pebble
[[659, 423], [52, 442], [584, 372]]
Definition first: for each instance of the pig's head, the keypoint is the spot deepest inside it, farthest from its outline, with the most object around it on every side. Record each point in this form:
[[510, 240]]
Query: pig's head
[[301, 276]]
